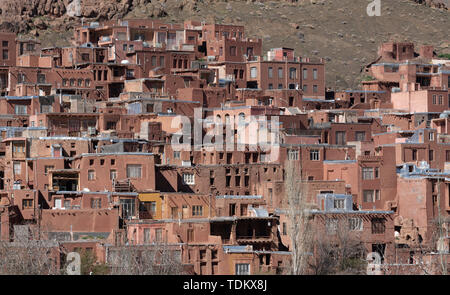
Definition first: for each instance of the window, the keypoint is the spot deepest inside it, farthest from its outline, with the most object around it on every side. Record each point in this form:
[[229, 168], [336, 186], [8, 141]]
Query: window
[[292, 73], [431, 155], [378, 226], [315, 76], [314, 155], [377, 195], [134, 171], [20, 109], [315, 89], [197, 210], [5, 43], [431, 136], [340, 137], [128, 207], [305, 88], [64, 82], [149, 207], [414, 154], [146, 235], [85, 56], [270, 86], [176, 154], [72, 82], [21, 78], [331, 225], [339, 204], [158, 235], [447, 156], [17, 167], [368, 196], [153, 61], [233, 50], [112, 174], [284, 228], [253, 72], [270, 72], [367, 173], [280, 72], [305, 73], [40, 78], [242, 269], [96, 203], [434, 98], [440, 99], [80, 82], [280, 86], [355, 224], [130, 73], [27, 203], [293, 154], [87, 82], [188, 178], [91, 175], [124, 47], [360, 135], [67, 204], [5, 54], [377, 172]]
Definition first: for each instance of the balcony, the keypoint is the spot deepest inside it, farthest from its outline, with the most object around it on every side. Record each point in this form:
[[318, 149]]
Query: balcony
[[123, 185]]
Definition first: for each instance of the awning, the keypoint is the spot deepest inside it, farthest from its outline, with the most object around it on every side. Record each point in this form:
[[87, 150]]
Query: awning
[[148, 197]]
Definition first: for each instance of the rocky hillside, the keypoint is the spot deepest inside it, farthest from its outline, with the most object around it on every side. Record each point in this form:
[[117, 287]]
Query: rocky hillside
[[338, 30]]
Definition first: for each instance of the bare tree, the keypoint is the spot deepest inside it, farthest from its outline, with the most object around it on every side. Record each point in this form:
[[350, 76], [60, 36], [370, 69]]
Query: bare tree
[[158, 259], [299, 218], [441, 225], [337, 248], [28, 255]]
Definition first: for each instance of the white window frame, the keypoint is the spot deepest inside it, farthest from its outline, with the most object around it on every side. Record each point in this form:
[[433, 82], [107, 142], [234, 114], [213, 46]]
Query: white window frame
[[242, 269], [314, 155], [339, 203], [293, 155], [189, 178], [91, 174], [355, 224], [253, 72]]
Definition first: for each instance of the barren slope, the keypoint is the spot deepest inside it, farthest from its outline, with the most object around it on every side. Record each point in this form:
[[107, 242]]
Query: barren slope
[[338, 30]]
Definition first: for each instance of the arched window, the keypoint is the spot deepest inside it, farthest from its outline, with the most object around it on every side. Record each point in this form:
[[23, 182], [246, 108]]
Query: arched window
[[241, 118], [227, 119]]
